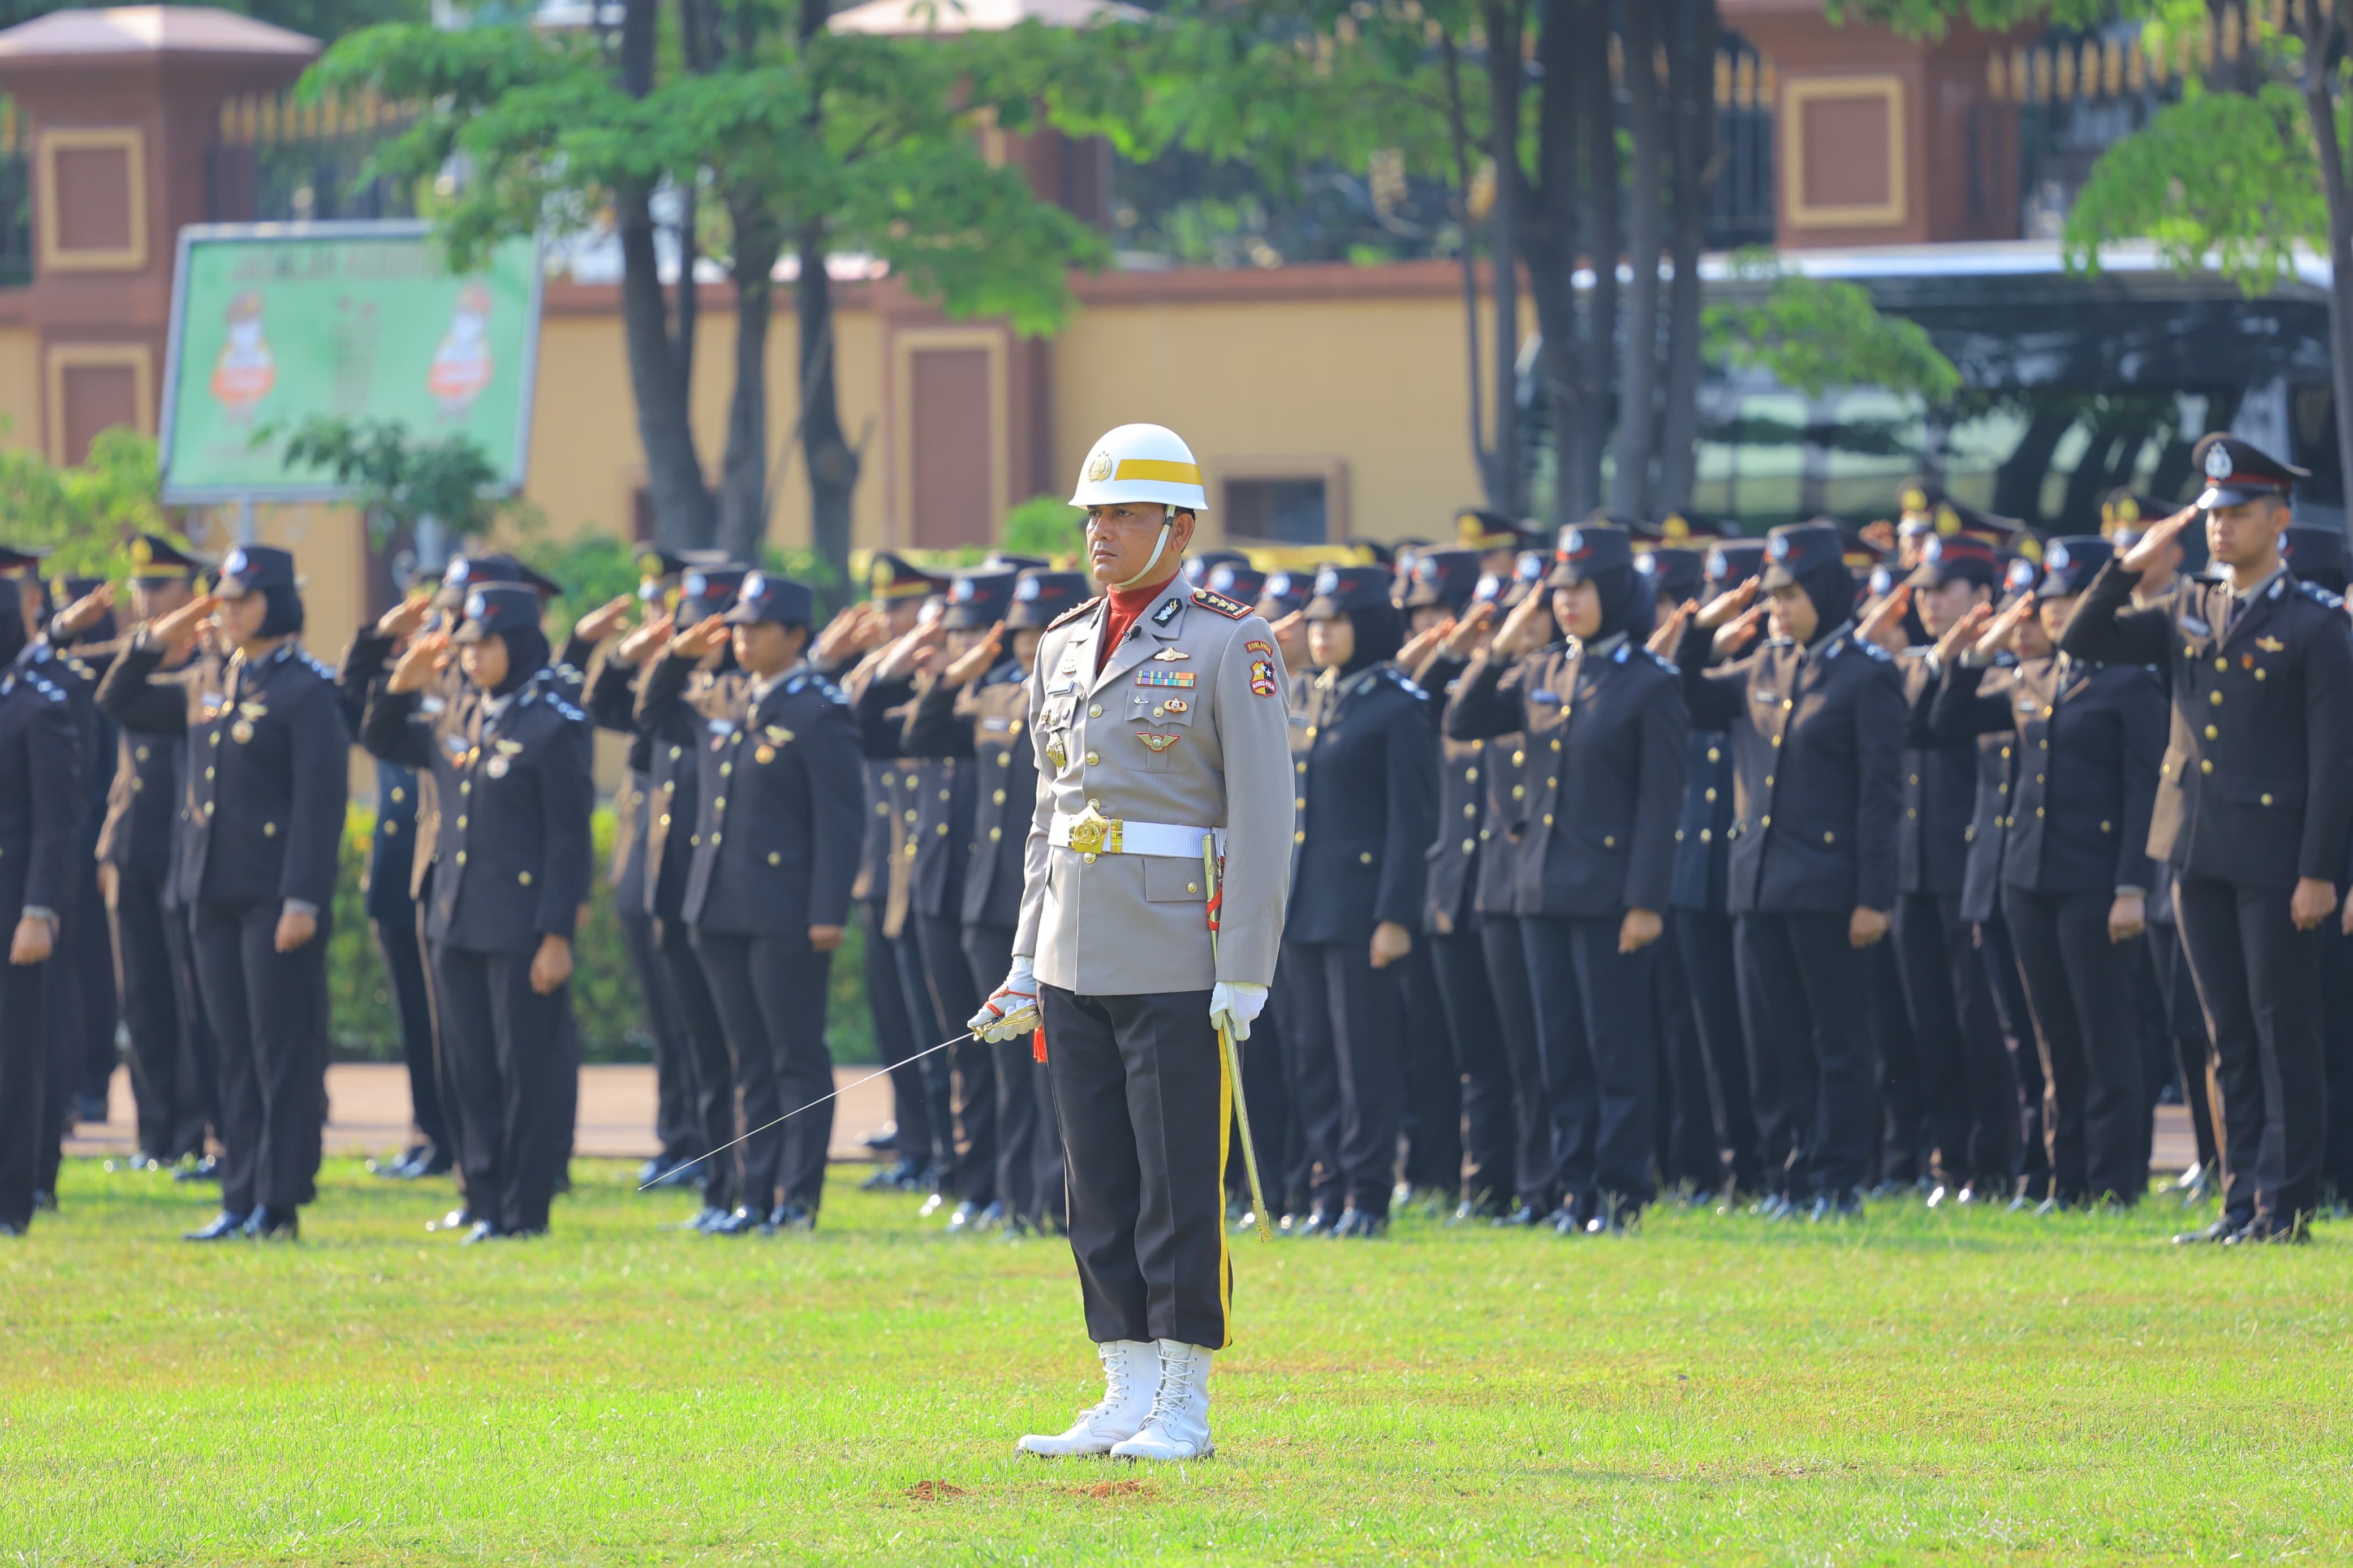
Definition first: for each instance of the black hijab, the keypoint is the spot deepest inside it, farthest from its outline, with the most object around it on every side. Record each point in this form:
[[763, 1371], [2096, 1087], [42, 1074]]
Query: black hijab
[[1380, 632], [526, 657], [12, 623], [283, 618], [1831, 589], [1628, 604]]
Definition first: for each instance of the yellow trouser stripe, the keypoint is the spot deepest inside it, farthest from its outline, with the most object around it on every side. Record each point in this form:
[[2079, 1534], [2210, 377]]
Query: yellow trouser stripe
[[1225, 1138]]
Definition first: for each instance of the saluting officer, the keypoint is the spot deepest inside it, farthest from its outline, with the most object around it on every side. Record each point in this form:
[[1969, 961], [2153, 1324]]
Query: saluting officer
[[1115, 950], [1607, 727], [511, 761], [1369, 788], [775, 852], [2075, 864], [2253, 800], [268, 771], [41, 773], [1815, 717], [977, 710]]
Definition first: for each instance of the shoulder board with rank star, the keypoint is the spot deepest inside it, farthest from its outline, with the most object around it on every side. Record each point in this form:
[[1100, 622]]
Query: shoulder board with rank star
[[2319, 595], [1405, 682], [1232, 610], [1073, 613], [1873, 650]]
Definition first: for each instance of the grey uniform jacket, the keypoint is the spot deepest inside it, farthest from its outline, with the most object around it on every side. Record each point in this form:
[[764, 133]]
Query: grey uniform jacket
[[1186, 726]]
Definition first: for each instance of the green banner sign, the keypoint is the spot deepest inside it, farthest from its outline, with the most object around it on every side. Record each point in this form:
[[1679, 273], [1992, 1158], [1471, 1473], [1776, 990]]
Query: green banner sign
[[272, 323]]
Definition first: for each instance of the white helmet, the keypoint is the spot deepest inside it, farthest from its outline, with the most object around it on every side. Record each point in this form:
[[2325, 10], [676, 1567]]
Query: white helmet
[[1142, 463]]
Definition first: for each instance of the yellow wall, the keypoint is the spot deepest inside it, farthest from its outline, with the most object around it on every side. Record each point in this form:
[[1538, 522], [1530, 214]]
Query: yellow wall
[[20, 387]]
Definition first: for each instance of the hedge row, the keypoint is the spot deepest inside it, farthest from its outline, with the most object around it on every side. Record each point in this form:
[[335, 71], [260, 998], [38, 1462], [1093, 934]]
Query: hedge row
[[604, 1000]]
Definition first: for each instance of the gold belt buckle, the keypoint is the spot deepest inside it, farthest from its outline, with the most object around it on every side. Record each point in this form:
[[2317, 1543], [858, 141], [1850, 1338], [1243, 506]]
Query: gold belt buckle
[[1094, 833]]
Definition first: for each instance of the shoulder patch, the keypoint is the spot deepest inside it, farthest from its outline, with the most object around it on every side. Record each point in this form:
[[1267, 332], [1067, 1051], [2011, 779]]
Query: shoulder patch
[[2319, 595], [1232, 610], [1073, 613]]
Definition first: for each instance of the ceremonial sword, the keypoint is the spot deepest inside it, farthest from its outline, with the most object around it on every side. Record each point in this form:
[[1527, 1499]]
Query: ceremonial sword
[[1233, 1052]]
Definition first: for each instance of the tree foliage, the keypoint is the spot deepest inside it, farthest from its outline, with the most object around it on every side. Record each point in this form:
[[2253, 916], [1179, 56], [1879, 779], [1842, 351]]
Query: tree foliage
[[1814, 333], [86, 513], [398, 478]]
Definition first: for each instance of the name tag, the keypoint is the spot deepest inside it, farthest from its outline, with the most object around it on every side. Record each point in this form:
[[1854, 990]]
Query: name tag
[[995, 726], [1061, 687], [1178, 678], [1763, 695], [431, 705], [1543, 697], [2196, 627], [723, 726]]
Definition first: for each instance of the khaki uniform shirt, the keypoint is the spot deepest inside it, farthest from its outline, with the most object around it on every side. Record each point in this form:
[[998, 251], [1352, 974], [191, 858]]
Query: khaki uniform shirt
[[1187, 727]]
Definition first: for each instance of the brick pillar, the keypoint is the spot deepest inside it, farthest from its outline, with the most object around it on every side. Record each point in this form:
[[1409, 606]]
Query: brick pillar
[[124, 105]]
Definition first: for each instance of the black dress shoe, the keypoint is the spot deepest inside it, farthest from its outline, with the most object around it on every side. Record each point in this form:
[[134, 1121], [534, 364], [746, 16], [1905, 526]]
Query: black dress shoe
[[205, 1169], [968, 1216], [1360, 1225], [1319, 1222], [2222, 1229], [459, 1219], [703, 1218], [11, 1228], [883, 1140], [2294, 1231], [792, 1217], [222, 1226], [274, 1224], [670, 1171], [742, 1222], [1609, 1225], [896, 1177], [481, 1230], [1834, 1206], [44, 1202]]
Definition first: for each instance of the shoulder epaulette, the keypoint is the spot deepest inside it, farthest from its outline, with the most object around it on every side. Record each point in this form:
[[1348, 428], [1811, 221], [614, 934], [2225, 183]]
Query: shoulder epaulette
[[1873, 650], [1073, 613], [2319, 595], [1232, 610], [318, 667], [1406, 682], [569, 711], [1663, 662], [47, 688], [832, 693]]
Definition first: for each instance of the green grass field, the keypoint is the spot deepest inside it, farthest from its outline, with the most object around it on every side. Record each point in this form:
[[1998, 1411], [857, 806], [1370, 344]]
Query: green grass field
[[1919, 1387]]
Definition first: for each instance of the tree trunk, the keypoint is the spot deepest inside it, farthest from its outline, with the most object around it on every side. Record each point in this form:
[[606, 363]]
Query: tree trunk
[[1691, 76], [743, 470], [1506, 30], [2319, 101], [1596, 355], [684, 514], [832, 463], [1637, 394], [1551, 241], [1482, 456]]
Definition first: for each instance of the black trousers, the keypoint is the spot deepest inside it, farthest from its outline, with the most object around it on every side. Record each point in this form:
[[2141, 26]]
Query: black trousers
[[2336, 1059], [2078, 985], [972, 1064], [92, 956], [2193, 1048], [174, 1080], [1352, 1016], [894, 1039], [1711, 970], [923, 1019], [1432, 1121], [713, 1068], [2259, 979], [771, 995], [1535, 1171], [23, 1090], [2031, 1171], [404, 966], [1028, 1145], [1801, 1000], [62, 1053], [1594, 1016], [678, 1124], [269, 1017], [508, 1049], [1305, 1083], [1488, 1124], [1903, 1141], [1968, 1089], [1689, 1139], [1141, 1088]]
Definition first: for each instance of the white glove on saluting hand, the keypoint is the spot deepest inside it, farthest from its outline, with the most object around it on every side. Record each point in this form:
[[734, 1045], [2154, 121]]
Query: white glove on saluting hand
[[1012, 1011], [1233, 1005]]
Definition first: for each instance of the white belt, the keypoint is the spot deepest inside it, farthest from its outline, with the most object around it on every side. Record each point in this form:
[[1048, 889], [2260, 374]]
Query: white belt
[[1095, 835]]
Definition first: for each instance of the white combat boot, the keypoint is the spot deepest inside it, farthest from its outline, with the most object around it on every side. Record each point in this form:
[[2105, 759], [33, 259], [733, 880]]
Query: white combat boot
[[1130, 1372], [1178, 1426]]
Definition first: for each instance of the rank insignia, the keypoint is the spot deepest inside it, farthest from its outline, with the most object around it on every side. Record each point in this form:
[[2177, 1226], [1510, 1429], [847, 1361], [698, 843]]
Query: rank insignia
[[2270, 644], [1157, 742], [780, 736], [1254, 646], [1177, 705], [1057, 758], [764, 754], [509, 748], [1263, 678], [251, 710], [1167, 612], [1232, 610], [241, 732], [1178, 678], [1171, 655]]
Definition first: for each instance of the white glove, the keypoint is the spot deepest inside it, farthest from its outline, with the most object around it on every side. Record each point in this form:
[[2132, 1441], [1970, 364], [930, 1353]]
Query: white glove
[[1012, 1011], [1233, 1005]]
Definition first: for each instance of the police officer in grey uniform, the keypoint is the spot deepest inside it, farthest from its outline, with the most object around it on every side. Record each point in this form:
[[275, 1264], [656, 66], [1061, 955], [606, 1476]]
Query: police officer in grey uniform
[[2254, 802], [1157, 715]]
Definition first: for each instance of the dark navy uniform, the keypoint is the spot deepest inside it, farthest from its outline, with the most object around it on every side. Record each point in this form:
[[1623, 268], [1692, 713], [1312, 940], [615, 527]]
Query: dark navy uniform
[[776, 854], [512, 862], [1605, 729], [268, 781], [2256, 792], [1817, 733], [1358, 862], [42, 768]]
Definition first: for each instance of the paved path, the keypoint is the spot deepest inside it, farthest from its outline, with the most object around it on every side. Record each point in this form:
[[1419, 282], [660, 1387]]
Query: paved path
[[367, 1113]]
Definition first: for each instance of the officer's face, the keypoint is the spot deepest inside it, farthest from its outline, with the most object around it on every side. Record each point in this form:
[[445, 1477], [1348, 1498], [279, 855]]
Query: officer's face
[[485, 662], [1500, 561], [899, 615], [240, 619], [1577, 608], [1121, 537], [766, 648], [1941, 607], [2051, 615], [1025, 646], [1425, 616], [2245, 534], [160, 597], [1331, 643], [1793, 614], [961, 641]]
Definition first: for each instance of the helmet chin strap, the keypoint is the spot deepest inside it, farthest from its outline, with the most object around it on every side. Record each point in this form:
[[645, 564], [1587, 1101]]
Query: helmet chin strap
[[1158, 546]]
